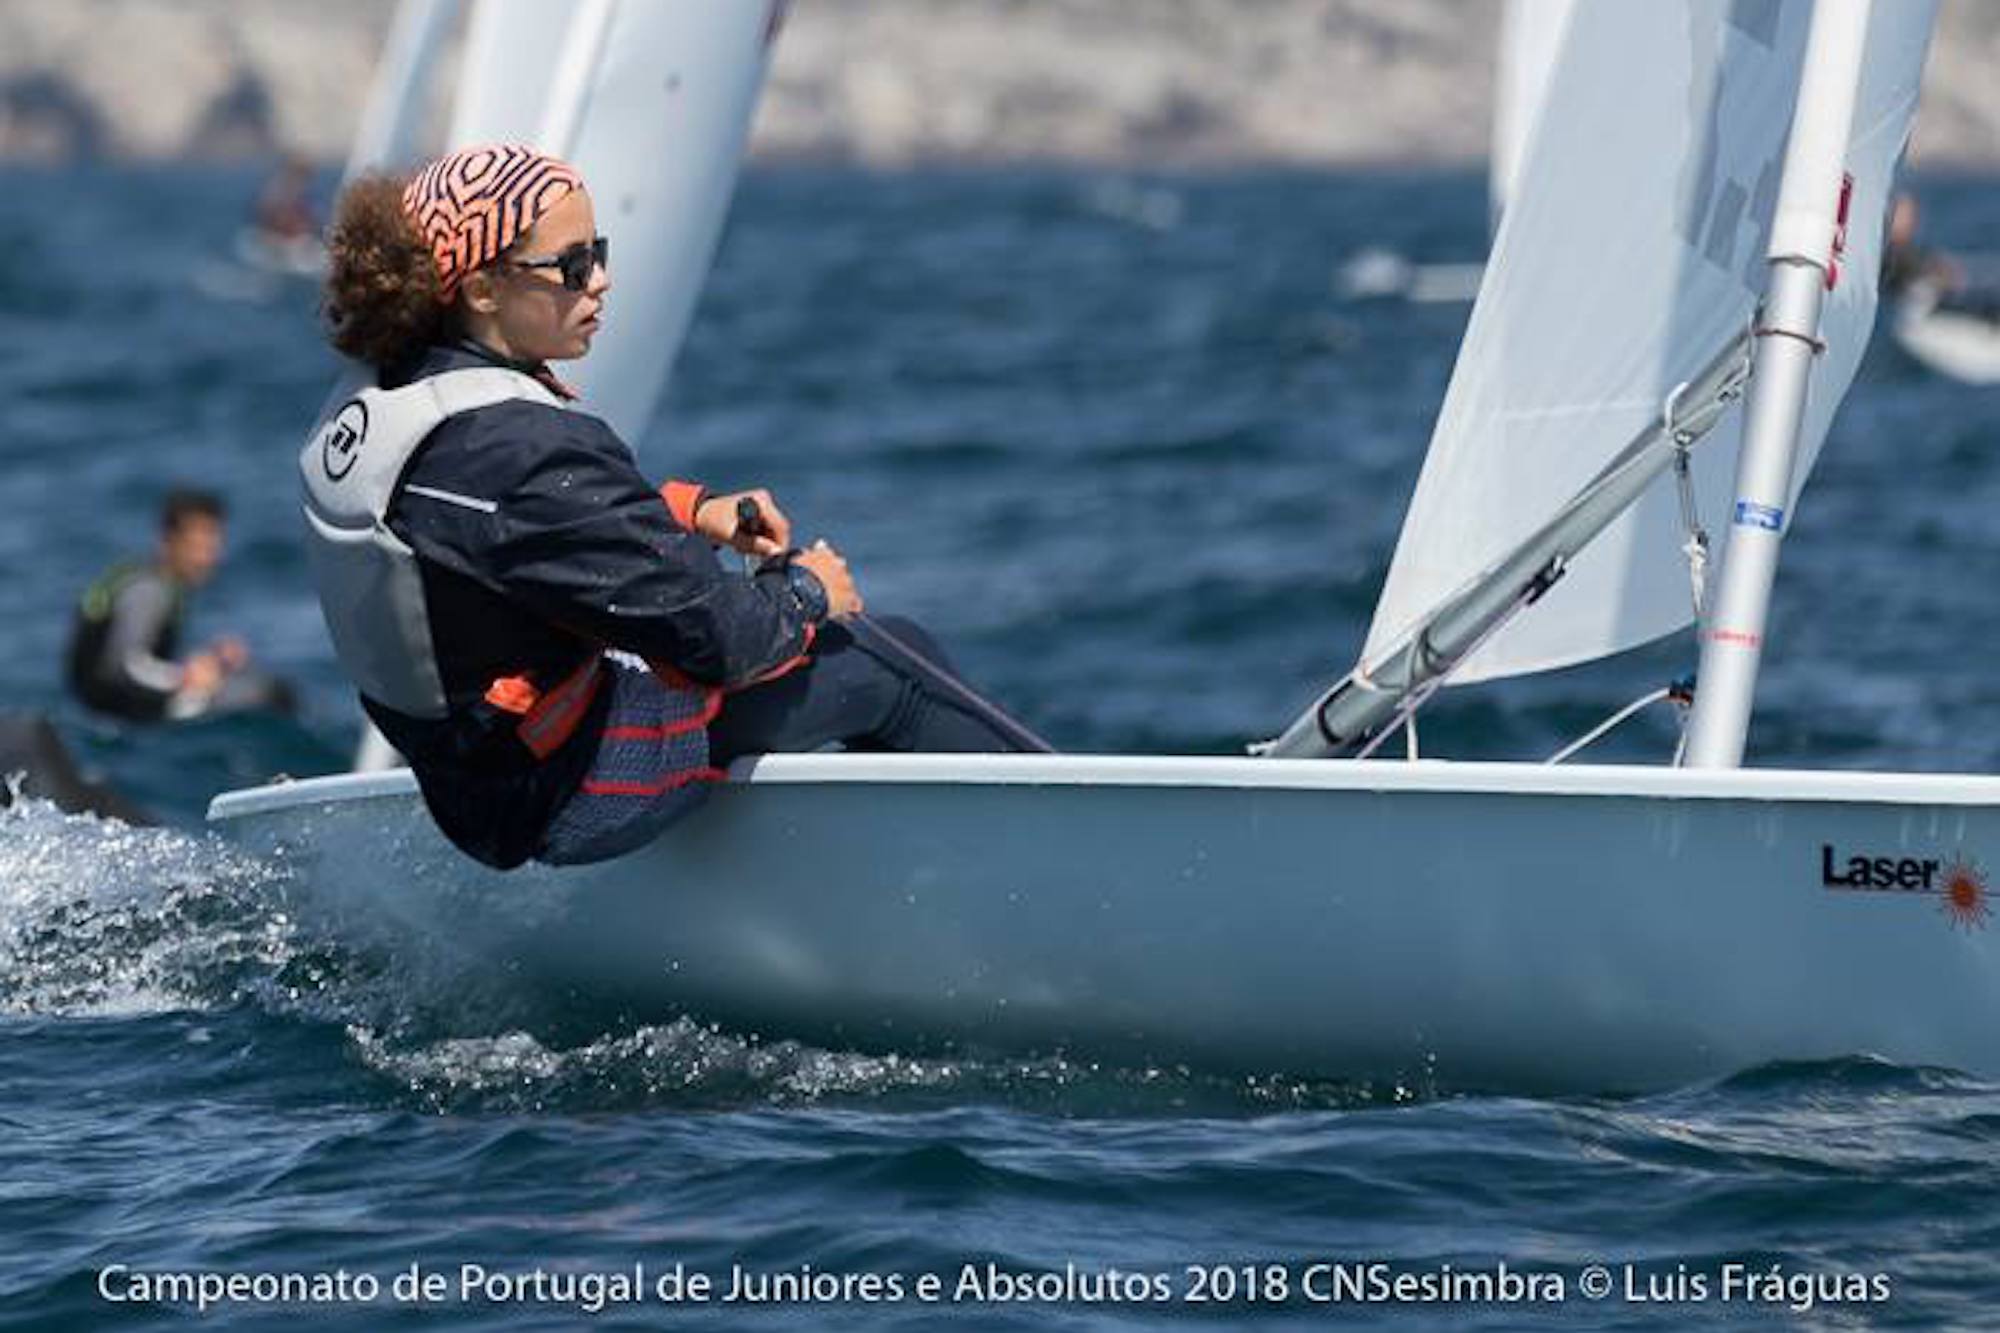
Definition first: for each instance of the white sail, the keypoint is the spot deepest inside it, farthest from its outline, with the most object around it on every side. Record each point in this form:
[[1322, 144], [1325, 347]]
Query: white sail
[[1530, 35], [505, 71], [1632, 251], [398, 98], [652, 102]]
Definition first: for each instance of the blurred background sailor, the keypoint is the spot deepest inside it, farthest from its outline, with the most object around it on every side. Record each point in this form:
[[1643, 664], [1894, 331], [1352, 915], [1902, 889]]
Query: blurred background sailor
[[124, 650]]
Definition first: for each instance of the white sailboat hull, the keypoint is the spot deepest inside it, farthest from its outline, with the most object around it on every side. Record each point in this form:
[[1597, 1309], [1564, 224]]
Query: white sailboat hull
[[1958, 343], [1483, 925]]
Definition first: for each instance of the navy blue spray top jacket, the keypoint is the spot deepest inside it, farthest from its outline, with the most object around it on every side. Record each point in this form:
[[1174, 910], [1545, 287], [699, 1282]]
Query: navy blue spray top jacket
[[579, 553]]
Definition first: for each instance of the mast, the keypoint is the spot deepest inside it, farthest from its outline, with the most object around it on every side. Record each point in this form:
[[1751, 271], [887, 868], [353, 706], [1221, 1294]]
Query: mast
[[1805, 233]]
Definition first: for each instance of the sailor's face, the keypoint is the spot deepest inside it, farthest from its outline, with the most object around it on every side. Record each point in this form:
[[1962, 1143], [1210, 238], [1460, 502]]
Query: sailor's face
[[193, 549], [540, 318]]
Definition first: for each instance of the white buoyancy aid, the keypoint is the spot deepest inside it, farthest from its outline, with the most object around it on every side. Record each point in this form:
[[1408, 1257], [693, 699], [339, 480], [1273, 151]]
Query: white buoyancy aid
[[370, 587]]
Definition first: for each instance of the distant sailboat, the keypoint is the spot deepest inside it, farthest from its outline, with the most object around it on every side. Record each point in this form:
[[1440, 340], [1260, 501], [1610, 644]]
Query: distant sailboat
[[1953, 338], [1945, 306], [652, 102], [1487, 925]]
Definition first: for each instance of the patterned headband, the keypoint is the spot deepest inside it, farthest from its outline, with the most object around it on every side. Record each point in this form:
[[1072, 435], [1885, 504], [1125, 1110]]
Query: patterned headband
[[472, 204]]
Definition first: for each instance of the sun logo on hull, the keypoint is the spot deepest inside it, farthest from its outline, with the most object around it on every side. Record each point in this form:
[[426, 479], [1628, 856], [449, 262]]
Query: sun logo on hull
[[1964, 894]]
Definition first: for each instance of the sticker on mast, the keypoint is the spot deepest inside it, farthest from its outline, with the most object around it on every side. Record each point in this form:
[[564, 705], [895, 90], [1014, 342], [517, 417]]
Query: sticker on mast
[[1750, 514], [1958, 883]]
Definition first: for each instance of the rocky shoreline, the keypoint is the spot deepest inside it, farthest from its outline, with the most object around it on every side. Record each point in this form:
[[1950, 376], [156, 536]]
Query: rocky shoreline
[[888, 83]]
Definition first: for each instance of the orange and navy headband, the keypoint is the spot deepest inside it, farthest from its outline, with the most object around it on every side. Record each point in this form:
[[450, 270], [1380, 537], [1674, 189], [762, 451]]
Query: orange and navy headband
[[471, 205]]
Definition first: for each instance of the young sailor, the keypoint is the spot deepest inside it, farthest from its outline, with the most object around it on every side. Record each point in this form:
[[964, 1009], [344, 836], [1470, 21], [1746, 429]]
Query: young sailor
[[551, 641], [124, 648], [1908, 264]]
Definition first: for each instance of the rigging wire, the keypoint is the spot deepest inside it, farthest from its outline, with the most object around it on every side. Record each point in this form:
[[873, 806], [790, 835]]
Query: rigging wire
[[1696, 547], [1604, 728], [1680, 693]]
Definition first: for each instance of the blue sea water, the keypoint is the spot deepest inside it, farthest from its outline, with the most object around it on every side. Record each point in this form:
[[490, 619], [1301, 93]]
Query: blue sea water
[[1124, 445]]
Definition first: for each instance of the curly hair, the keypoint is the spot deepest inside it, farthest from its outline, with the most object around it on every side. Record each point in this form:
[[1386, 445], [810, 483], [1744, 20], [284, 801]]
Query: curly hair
[[382, 294]]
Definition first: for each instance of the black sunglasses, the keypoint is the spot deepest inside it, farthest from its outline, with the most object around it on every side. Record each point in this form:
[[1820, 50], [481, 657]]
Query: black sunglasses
[[575, 263]]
